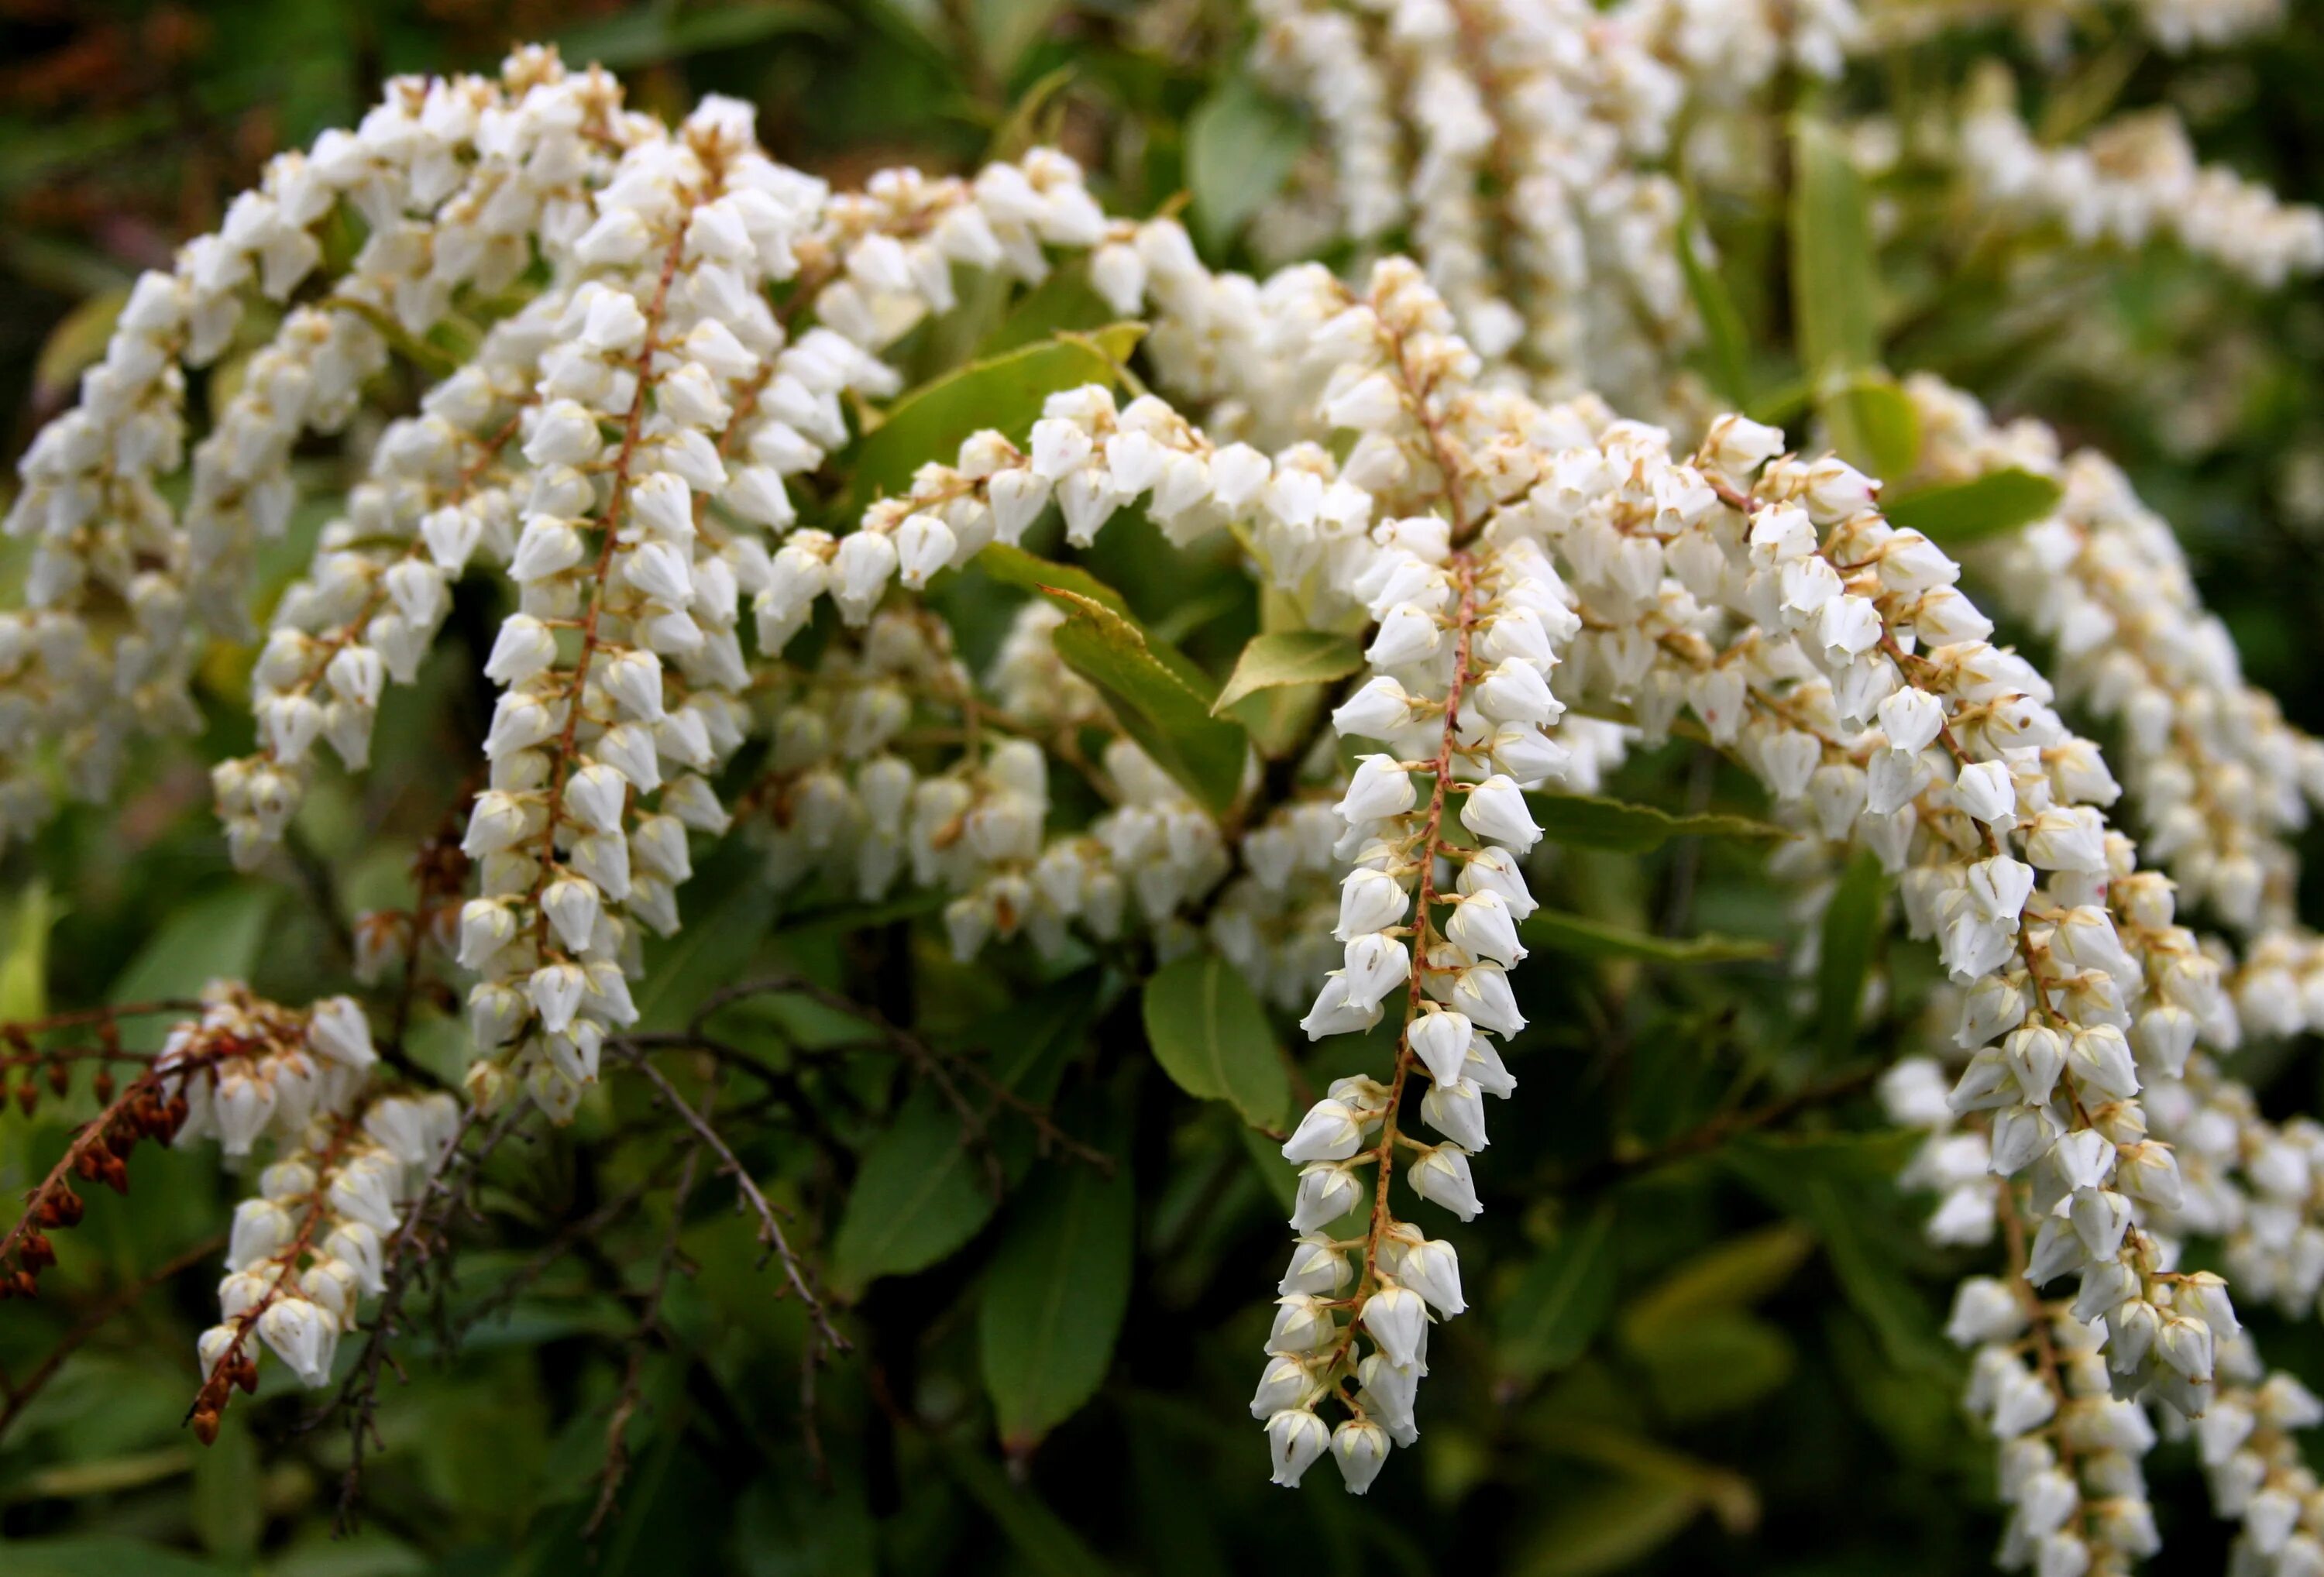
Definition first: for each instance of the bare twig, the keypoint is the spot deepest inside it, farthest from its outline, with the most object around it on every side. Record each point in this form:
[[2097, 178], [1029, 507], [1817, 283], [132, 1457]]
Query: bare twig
[[926, 1058], [407, 1253], [771, 1235], [648, 1331], [16, 1395]]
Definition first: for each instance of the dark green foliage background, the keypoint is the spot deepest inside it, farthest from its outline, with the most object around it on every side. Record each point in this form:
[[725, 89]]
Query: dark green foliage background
[[1704, 1335]]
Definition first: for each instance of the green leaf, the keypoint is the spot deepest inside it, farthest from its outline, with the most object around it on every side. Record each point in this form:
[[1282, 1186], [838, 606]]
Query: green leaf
[[1961, 513], [919, 1195], [1731, 1276], [1004, 392], [1281, 1177], [1155, 705], [920, 1192], [1723, 1362], [1211, 1036], [1040, 1537], [1730, 358], [1608, 1528], [1064, 302], [650, 35], [1851, 928], [75, 344], [1005, 29], [101, 1556], [216, 937], [1561, 1300], [24, 969], [1833, 285], [1874, 425], [1585, 821], [1294, 657], [1012, 565], [1241, 145], [1842, 1185], [1054, 1297], [1588, 938], [226, 1512]]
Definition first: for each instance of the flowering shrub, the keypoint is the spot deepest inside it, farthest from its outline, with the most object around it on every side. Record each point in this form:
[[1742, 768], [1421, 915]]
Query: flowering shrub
[[1012, 729]]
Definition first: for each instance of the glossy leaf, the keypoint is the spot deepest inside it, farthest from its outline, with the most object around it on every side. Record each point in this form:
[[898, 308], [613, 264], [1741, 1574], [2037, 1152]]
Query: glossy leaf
[[1843, 1187], [1211, 1036], [1733, 1275], [1004, 392], [654, 34], [1005, 29], [1241, 145], [919, 1195], [1873, 424], [1054, 1297], [1844, 959], [1563, 1299], [1294, 657], [1589, 938], [922, 1190], [1156, 705], [25, 966], [1963, 512], [1587, 821], [1728, 347], [216, 937], [1832, 275], [1044, 1544]]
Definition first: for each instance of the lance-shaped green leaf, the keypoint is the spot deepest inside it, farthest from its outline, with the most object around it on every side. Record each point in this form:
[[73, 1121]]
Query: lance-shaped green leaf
[[1727, 345], [1005, 391], [1046, 1546], [1962, 512], [1211, 1036], [1587, 821], [1290, 657], [1054, 1296], [1163, 708], [923, 1189], [1561, 1300], [1587, 938], [1833, 297], [1843, 1186], [1851, 925], [1873, 424], [1241, 145]]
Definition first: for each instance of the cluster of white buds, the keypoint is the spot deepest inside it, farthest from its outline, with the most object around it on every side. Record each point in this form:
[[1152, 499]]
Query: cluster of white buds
[[312, 1243], [379, 587], [2217, 779], [2070, 1451], [1727, 48], [449, 176], [1524, 136], [2137, 180], [888, 251], [2258, 1476], [1155, 847], [1088, 457], [248, 1069], [621, 666], [2179, 25], [1468, 619], [1275, 920]]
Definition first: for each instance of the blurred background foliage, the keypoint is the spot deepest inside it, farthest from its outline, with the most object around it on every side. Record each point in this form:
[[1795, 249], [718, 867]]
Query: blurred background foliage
[[1709, 1331]]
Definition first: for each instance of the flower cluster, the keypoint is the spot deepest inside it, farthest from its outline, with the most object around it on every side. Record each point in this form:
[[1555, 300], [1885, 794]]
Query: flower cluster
[[2137, 180], [312, 1243], [644, 447]]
